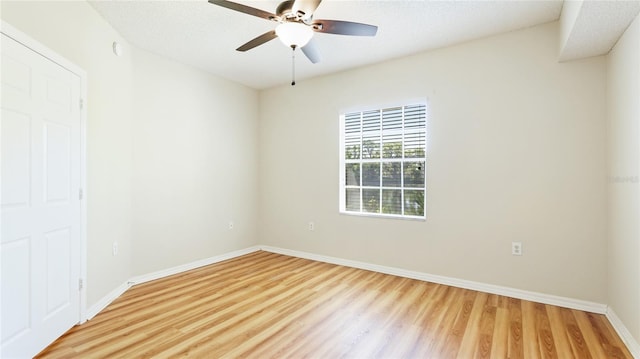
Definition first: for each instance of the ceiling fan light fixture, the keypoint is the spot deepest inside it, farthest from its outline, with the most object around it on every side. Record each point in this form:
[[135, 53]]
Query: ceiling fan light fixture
[[294, 34]]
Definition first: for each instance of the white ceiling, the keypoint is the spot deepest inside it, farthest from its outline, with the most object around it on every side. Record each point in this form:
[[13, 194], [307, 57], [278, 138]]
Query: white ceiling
[[593, 27], [205, 36]]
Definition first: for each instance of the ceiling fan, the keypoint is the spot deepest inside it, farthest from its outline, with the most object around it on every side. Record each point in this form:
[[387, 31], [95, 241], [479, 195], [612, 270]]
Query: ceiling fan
[[296, 25]]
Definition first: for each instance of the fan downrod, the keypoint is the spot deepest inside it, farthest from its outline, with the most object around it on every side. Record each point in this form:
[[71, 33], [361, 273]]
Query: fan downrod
[[293, 65]]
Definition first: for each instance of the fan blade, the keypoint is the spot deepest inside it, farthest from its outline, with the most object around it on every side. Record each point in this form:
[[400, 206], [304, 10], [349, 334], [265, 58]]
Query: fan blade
[[244, 9], [267, 36], [310, 50], [308, 7], [344, 28]]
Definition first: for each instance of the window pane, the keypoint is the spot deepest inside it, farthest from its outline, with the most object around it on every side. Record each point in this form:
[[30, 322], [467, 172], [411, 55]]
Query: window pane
[[371, 174], [371, 146], [371, 134], [413, 203], [392, 133], [415, 131], [371, 200], [391, 148], [352, 149], [391, 174], [414, 174], [392, 118], [352, 174], [352, 136], [353, 199], [392, 201], [414, 144]]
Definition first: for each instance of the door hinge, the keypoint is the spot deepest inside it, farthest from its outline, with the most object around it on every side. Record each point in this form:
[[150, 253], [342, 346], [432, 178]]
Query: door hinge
[[80, 284], [81, 104], [80, 193]]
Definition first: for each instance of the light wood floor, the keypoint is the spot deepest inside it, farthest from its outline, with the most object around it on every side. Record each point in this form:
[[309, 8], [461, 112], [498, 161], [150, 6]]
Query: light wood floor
[[265, 305]]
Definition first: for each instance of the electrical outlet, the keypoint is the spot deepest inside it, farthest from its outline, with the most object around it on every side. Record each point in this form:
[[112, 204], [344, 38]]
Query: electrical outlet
[[312, 226], [114, 249], [230, 224], [516, 248]]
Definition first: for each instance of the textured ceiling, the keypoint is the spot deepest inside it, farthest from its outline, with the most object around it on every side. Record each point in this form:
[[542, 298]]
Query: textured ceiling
[[206, 36], [593, 27]]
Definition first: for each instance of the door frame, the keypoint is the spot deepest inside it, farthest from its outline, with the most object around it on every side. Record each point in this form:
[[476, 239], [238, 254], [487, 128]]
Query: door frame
[[50, 54]]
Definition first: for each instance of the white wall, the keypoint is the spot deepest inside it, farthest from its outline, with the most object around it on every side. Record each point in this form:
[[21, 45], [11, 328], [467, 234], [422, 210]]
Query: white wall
[[623, 97], [172, 154], [516, 152], [195, 155]]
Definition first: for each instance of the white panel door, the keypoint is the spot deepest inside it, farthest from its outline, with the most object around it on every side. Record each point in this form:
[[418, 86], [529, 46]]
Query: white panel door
[[41, 213]]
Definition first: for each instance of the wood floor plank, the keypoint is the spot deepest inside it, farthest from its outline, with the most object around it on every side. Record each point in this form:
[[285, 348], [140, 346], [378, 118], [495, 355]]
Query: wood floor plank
[[446, 336], [471, 332], [545, 336], [487, 323], [266, 305], [500, 340], [560, 331], [530, 331], [434, 322], [515, 346]]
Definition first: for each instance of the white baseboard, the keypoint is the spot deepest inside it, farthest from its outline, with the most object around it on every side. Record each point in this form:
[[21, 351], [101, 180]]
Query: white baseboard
[[454, 282], [623, 332], [105, 301], [189, 266]]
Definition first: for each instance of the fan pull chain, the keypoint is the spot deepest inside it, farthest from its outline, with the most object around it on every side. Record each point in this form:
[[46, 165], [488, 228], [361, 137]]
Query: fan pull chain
[[293, 65]]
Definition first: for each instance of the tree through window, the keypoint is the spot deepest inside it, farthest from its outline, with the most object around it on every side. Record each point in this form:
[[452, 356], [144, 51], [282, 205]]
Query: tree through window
[[382, 161]]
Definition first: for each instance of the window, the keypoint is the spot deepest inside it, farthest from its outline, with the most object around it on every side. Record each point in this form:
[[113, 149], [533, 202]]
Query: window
[[382, 162]]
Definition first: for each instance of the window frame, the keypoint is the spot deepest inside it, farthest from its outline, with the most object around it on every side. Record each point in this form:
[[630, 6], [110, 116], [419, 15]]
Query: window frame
[[343, 161]]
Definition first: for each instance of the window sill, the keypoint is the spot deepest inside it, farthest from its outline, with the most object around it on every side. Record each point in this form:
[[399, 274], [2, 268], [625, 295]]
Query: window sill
[[384, 216]]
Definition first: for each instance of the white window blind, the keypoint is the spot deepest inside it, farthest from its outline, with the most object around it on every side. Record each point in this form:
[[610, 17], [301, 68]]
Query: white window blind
[[382, 161]]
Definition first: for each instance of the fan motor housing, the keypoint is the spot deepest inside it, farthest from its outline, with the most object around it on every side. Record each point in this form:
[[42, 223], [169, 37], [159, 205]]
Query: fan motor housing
[[285, 10]]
